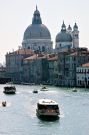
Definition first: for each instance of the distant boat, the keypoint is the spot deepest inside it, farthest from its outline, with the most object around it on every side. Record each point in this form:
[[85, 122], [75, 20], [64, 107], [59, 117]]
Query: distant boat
[[44, 88], [74, 90], [35, 91], [9, 90], [4, 103], [47, 109]]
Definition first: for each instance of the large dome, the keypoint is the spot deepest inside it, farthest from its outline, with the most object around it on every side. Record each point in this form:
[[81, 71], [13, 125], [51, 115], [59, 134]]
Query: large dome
[[37, 31], [63, 37]]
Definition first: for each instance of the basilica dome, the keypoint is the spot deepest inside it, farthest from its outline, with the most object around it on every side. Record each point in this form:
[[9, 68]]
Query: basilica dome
[[63, 36], [36, 30]]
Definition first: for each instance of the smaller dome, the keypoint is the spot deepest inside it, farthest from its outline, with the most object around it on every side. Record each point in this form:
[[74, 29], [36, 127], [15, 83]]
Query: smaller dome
[[63, 27], [63, 37], [69, 28], [75, 26]]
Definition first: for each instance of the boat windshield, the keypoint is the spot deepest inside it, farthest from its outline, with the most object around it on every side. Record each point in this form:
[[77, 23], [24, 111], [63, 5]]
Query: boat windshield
[[47, 107], [10, 88]]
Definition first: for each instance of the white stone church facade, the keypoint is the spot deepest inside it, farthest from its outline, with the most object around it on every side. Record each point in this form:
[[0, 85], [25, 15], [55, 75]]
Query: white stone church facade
[[37, 36], [67, 38]]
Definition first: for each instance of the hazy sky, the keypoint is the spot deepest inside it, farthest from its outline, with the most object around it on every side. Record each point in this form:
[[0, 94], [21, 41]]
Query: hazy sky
[[16, 15]]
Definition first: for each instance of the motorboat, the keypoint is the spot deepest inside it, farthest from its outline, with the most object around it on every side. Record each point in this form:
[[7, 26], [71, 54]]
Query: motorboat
[[44, 88], [47, 109], [4, 103], [35, 91], [74, 90], [9, 90]]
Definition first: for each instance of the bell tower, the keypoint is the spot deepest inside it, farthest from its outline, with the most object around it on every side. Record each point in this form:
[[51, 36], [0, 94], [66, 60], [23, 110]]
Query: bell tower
[[75, 36]]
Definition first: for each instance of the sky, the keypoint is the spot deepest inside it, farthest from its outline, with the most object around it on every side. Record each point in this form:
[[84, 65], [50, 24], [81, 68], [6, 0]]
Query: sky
[[16, 15]]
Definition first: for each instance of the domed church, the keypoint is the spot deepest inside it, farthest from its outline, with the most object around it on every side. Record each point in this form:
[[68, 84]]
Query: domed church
[[67, 38], [37, 37]]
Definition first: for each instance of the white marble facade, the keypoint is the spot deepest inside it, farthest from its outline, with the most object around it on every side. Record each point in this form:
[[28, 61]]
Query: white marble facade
[[37, 37]]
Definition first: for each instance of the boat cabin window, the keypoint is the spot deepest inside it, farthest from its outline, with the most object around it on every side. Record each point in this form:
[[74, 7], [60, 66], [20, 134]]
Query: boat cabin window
[[47, 106]]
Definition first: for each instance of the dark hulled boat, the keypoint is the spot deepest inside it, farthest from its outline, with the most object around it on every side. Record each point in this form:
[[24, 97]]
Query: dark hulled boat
[[9, 90], [4, 103]]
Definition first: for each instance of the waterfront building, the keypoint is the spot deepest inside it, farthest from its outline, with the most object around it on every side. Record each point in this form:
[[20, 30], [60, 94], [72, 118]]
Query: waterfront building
[[37, 37], [52, 68], [40, 68], [66, 38], [67, 64], [2, 72], [14, 63], [3, 77], [36, 69], [82, 75]]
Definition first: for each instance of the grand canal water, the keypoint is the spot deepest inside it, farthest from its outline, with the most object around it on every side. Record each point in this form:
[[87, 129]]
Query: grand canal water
[[19, 117]]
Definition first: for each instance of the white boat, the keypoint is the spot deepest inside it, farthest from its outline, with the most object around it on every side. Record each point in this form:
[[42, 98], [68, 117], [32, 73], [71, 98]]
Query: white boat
[[47, 109], [74, 90]]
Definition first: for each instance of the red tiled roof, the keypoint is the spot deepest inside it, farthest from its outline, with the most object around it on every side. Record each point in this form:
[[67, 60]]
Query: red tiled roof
[[53, 58], [24, 51], [85, 65], [21, 51], [73, 54], [35, 57]]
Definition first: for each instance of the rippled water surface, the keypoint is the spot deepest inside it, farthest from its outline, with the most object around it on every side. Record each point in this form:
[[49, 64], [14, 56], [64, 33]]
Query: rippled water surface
[[19, 117]]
